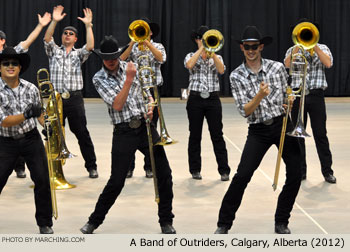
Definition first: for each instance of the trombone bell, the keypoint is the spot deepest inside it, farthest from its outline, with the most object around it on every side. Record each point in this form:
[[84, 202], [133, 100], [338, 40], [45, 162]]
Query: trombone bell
[[212, 40], [306, 35]]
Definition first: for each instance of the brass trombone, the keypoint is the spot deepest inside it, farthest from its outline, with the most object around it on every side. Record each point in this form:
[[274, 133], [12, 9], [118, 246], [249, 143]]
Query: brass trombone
[[139, 31], [305, 37], [212, 41], [56, 148]]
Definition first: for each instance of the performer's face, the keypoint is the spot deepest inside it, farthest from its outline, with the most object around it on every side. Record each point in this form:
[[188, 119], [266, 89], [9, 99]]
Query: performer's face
[[69, 37], [252, 50], [111, 65], [10, 68]]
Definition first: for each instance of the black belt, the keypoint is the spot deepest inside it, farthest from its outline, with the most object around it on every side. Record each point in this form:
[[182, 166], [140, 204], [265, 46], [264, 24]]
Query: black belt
[[72, 93], [211, 94], [20, 136], [133, 124], [271, 121]]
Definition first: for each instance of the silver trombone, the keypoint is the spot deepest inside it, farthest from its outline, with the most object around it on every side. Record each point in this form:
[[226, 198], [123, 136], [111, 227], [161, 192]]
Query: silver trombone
[[305, 37]]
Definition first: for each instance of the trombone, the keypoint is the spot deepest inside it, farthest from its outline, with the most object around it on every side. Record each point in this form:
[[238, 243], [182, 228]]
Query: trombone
[[212, 41], [56, 148], [139, 31], [305, 36]]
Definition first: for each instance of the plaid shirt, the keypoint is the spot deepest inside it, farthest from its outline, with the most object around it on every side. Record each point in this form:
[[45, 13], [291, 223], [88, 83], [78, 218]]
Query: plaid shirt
[[15, 104], [19, 49], [109, 86], [316, 77], [245, 85], [65, 69], [155, 64], [203, 76]]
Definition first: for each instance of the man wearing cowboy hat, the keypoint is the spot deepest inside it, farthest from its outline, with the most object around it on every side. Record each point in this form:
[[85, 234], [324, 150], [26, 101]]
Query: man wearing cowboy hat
[[122, 92], [314, 104], [23, 47], [19, 106], [203, 102], [157, 56], [66, 75], [259, 89]]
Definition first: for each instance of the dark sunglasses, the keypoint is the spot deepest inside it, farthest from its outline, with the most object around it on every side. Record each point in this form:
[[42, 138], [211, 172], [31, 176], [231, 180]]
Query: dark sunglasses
[[8, 63], [68, 33], [252, 47]]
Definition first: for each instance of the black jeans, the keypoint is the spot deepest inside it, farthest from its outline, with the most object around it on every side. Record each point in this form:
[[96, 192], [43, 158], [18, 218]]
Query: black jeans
[[73, 109], [125, 142], [259, 140], [315, 106], [20, 165], [147, 161], [210, 108], [31, 148]]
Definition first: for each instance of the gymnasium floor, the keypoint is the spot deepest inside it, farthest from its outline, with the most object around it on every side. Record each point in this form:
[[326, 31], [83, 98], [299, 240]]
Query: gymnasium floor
[[321, 208]]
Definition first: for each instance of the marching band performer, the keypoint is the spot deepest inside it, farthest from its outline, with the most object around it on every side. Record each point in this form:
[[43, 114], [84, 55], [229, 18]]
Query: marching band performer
[[122, 92], [19, 106], [258, 88]]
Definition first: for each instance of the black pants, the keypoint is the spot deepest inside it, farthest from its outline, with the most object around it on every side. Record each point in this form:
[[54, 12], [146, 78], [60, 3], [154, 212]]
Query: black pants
[[73, 109], [259, 140], [125, 142], [19, 166], [147, 161], [31, 148], [316, 108], [198, 109]]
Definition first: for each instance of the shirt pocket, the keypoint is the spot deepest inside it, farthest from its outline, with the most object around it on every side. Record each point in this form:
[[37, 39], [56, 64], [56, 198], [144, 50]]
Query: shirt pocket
[[275, 96]]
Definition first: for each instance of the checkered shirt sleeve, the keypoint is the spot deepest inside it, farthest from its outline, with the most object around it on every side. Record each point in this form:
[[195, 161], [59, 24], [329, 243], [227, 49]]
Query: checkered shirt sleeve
[[316, 77], [13, 104], [109, 86], [155, 64], [65, 69], [204, 75], [245, 85]]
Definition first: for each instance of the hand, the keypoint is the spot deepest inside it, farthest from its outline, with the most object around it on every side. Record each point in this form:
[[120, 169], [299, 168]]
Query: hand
[[130, 71], [264, 89], [45, 19], [44, 132], [87, 20], [57, 14], [33, 110]]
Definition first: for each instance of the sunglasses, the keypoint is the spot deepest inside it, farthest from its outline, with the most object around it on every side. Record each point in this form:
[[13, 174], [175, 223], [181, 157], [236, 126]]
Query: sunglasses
[[68, 33], [251, 47], [8, 63]]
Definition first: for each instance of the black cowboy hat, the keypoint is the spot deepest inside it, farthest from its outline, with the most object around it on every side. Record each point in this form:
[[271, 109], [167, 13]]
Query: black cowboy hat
[[109, 48], [251, 33], [23, 58], [199, 33], [301, 21], [153, 26]]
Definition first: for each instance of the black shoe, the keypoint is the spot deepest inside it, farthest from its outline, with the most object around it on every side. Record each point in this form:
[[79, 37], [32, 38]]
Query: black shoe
[[221, 230], [330, 179], [88, 228], [129, 174], [282, 229], [303, 176], [149, 174], [45, 230], [196, 175], [21, 174], [93, 173], [168, 229], [225, 177]]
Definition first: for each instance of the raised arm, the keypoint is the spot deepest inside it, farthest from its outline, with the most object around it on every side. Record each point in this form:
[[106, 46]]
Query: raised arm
[[57, 16], [87, 20], [42, 22]]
